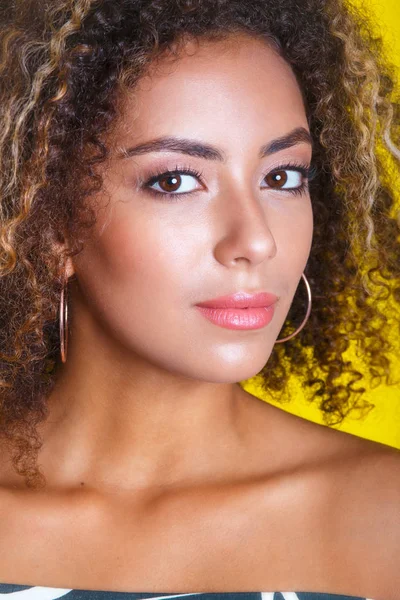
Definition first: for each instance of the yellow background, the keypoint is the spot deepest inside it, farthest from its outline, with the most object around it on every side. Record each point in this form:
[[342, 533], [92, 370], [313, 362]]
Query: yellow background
[[382, 424]]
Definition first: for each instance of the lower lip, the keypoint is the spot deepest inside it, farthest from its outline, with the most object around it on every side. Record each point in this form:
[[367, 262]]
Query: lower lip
[[239, 318]]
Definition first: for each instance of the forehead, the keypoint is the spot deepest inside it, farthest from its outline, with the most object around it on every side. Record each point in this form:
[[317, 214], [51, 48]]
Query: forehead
[[238, 84]]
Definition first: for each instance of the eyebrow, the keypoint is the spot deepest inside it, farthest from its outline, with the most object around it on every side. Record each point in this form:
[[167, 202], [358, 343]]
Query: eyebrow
[[208, 152], [300, 135]]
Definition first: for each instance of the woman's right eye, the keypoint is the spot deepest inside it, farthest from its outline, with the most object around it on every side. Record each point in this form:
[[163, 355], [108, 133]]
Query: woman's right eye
[[174, 183]]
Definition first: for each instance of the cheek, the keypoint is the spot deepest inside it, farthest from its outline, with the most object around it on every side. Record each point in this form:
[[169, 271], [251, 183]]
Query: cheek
[[293, 238], [293, 230], [136, 260], [138, 276]]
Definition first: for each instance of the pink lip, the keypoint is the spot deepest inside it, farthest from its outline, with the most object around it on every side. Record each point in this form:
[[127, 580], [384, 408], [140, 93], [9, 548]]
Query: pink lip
[[241, 300], [240, 311]]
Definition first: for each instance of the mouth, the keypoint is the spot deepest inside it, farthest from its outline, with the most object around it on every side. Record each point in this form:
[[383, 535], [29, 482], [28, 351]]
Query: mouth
[[241, 300], [240, 310]]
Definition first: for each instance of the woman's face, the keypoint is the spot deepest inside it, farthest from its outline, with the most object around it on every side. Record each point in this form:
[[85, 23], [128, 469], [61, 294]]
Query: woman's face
[[224, 224]]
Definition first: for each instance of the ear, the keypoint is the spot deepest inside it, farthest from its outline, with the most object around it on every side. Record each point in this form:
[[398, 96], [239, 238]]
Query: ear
[[67, 268]]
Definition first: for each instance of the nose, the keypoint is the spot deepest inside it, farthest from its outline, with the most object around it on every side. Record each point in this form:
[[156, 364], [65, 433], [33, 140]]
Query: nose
[[244, 231]]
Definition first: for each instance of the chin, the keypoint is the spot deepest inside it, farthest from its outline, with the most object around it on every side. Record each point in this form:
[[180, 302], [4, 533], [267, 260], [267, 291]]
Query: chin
[[220, 371]]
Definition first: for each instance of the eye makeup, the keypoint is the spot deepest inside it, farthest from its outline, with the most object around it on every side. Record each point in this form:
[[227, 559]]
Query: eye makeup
[[308, 172], [176, 172], [145, 183]]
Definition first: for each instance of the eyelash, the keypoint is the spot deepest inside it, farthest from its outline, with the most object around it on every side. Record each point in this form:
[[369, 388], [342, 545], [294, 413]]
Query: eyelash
[[170, 173], [309, 172]]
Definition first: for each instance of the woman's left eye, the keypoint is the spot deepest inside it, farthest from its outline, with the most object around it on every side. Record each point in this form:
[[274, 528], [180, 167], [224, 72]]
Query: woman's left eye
[[285, 179]]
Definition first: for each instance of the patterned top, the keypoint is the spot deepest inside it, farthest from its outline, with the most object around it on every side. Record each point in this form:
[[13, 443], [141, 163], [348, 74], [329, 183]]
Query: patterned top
[[24, 592]]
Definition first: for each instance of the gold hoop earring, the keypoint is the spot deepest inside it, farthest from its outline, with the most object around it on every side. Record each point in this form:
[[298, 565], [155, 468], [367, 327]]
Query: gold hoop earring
[[64, 323], [289, 337]]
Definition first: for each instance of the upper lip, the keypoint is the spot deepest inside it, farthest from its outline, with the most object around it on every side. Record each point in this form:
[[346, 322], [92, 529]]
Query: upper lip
[[241, 300]]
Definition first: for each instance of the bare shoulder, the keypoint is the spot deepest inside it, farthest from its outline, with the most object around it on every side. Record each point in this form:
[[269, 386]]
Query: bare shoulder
[[359, 481], [340, 497], [364, 505], [371, 471], [364, 473]]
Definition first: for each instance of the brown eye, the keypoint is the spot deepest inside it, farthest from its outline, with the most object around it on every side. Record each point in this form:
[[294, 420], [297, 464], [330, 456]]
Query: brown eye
[[286, 179], [277, 179], [175, 183], [170, 183]]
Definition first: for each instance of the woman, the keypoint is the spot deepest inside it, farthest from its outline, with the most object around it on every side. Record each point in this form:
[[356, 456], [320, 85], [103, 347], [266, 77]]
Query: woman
[[157, 157]]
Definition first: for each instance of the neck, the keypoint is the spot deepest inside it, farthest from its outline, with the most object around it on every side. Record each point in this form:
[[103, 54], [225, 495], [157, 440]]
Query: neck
[[118, 420]]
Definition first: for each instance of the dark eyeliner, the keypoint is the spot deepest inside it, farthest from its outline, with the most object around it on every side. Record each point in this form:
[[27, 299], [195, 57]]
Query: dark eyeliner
[[170, 173], [309, 172]]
